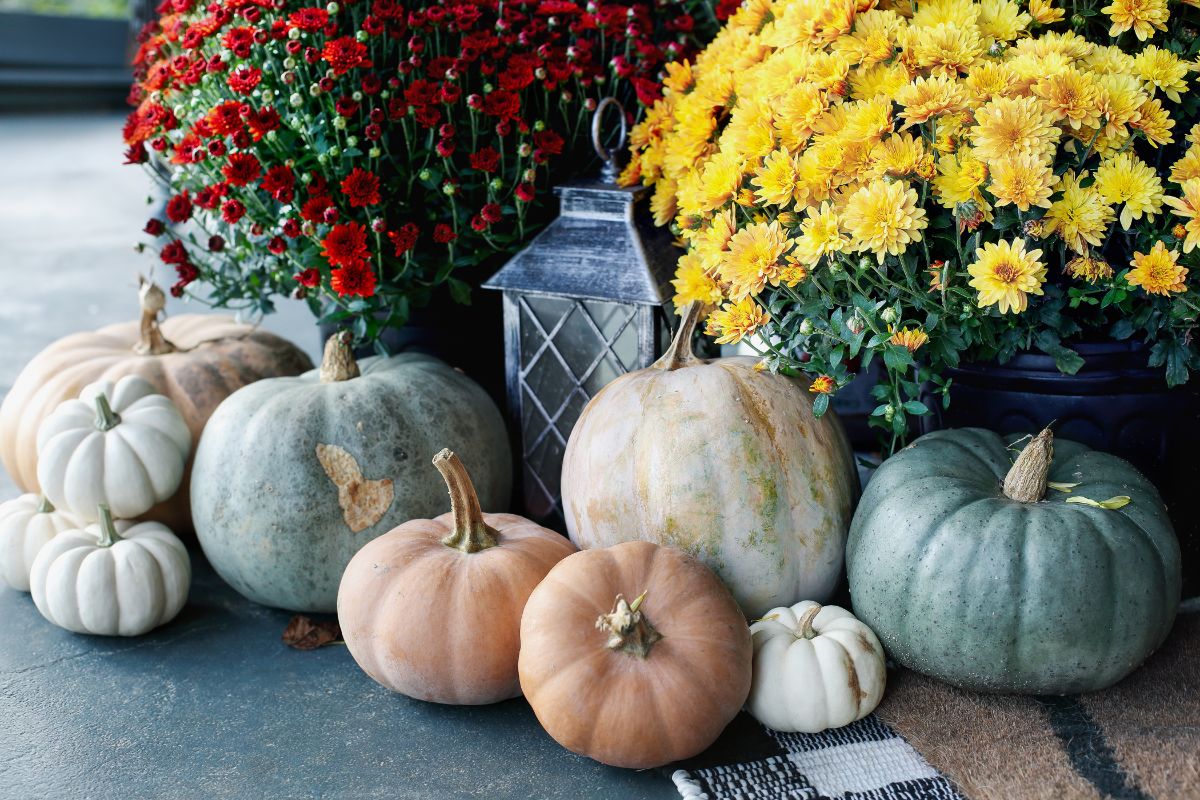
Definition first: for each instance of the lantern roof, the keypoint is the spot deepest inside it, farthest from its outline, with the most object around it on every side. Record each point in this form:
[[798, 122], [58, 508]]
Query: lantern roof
[[602, 246]]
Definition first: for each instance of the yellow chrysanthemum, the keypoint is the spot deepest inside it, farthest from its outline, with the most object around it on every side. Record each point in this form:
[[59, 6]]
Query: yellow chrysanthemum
[[1163, 70], [679, 76], [735, 321], [1188, 207], [1187, 167], [990, 79], [693, 284], [929, 97], [901, 155], [1126, 179], [932, 13], [1157, 272], [945, 49], [1072, 96], [754, 258], [1154, 122], [910, 338], [1010, 126], [1025, 180], [720, 180], [1143, 16], [662, 203], [1120, 100], [710, 242], [883, 218], [1079, 216], [822, 384], [775, 181], [820, 234], [959, 178], [1002, 20], [1108, 60], [1044, 13], [1005, 275], [802, 105], [878, 80], [750, 132], [1089, 269]]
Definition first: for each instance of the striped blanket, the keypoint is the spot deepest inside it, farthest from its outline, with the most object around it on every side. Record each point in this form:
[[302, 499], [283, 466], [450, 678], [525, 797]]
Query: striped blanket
[[1139, 740]]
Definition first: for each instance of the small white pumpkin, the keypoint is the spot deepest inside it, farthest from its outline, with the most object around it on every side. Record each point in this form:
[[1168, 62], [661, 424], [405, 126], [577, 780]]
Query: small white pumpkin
[[815, 667], [119, 444], [112, 579], [27, 523]]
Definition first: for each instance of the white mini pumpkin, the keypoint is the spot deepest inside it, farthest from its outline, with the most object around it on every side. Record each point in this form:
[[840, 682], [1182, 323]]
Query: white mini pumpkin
[[27, 523], [815, 667], [119, 444], [112, 579]]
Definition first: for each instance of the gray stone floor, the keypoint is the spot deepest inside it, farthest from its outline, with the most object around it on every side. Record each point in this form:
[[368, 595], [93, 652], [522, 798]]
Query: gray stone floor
[[211, 705]]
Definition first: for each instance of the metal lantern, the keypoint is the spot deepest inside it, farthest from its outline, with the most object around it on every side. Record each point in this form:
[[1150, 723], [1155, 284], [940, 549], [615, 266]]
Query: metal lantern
[[583, 304]]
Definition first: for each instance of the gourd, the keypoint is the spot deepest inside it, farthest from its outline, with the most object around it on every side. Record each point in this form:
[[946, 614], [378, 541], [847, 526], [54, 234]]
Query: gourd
[[722, 461], [197, 360], [294, 475], [433, 608], [634, 655], [112, 579], [815, 667], [1012, 577], [119, 444], [26, 524]]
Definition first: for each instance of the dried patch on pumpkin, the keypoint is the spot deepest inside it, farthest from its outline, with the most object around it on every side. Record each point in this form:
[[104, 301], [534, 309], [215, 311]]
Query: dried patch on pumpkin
[[363, 502]]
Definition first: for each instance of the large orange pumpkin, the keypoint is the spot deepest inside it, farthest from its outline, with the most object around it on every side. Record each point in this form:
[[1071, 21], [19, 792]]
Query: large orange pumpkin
[[196, 360], [432, 609], [634, 684]]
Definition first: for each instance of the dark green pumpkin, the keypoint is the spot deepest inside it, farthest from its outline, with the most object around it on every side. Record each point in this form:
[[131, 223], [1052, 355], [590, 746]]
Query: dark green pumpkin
[[970, 586]]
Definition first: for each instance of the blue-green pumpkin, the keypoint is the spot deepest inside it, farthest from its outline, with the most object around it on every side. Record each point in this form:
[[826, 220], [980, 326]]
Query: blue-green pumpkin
[[294, 475], [971, 570]]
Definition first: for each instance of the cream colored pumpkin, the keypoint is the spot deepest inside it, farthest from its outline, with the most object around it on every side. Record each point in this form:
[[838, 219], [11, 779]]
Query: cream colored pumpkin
[[26, 524], [112, 579], [118, 444], [815, 667], [722, 461]]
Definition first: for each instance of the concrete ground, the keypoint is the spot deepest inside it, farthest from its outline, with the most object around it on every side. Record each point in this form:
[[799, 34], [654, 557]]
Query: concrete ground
[[211, 705]]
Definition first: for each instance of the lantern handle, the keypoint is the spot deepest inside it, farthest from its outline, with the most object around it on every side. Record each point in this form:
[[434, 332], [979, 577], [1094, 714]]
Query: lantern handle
[[608, 172]]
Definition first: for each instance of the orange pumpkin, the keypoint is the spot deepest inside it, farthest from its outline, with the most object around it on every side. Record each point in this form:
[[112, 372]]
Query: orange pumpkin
[[196, 360], [638, 684], [432, 609]]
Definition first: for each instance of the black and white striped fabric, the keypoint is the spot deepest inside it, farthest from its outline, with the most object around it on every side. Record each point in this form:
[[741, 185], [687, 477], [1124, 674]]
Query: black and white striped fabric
[[866, 760]]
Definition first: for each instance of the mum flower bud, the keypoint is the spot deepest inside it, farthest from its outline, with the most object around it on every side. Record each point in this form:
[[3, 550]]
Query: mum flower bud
[[296, 100], [888, 315], [806, 327]]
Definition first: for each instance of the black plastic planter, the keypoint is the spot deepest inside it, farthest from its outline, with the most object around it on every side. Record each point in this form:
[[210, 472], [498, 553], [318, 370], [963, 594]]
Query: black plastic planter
[[1114, 403]]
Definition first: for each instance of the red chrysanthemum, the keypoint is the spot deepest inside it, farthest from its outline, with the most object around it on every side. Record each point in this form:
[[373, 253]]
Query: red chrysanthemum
[[486, 159], [525, 192], [443, 233], [243, 79], [179, 207], [357, 279], [405, 238], [309, 19], [309, 278], [232, 211], [502, 104], [241, 169], [345, 245], [279, 182], [173, 253], [361, 188], [225, 118], [344, 54], [548, 142], [314, 208]]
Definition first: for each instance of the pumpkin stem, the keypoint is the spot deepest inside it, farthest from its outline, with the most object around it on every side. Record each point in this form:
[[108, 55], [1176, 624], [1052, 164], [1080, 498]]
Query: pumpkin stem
[[108, 530], [471, 534], [106, 418], [628, 629], [44, 505], [153, 300], [804, 625], [1026, 481], [680, 353], [338, 363]]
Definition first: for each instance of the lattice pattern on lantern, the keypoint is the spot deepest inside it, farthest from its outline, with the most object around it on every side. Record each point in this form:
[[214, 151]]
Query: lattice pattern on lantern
[[569, 350]]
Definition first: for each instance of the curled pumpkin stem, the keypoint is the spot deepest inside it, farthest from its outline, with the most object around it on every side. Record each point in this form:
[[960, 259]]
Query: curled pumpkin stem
[[153, 301], [628, 628], [471, 533], [337, 363], [680, 353], [804, 625]]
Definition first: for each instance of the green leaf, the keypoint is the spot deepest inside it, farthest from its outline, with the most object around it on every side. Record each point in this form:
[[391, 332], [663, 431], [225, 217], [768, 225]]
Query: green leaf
[[1067, 360], [460, 290], [897, 358], [916, 408], [820, 405], [1112, 503]]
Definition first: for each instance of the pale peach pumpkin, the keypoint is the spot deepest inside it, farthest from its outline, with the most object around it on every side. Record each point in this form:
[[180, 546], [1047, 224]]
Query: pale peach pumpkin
[[432, 609], [195, 360], [634, 684], [725, 462]]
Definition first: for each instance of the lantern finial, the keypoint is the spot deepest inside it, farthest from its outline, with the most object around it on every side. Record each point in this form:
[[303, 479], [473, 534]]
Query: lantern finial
[[610, 170]]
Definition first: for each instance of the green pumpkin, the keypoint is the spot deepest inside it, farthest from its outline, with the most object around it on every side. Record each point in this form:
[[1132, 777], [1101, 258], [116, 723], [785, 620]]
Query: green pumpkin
[[972, 571], [294, 475]]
